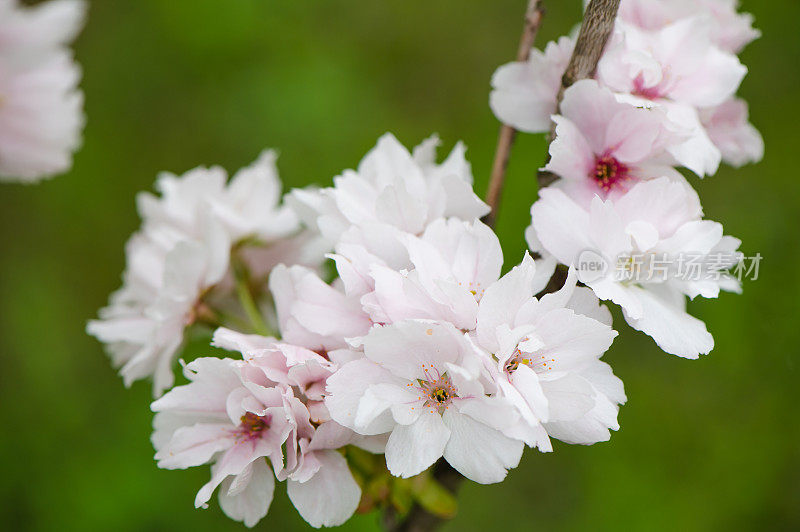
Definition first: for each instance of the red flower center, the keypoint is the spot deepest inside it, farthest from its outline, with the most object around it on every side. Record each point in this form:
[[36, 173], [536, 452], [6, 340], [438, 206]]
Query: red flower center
[[253, 425], [608, 172]]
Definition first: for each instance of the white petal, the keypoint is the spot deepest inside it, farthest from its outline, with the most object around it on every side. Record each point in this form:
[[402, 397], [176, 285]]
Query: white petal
[[251, 503], [668, 323], [411, 449], [479, 452], [330, 497]]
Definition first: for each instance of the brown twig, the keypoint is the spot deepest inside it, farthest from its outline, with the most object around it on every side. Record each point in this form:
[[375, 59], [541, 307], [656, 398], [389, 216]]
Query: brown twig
[[598, 22], [505, 139]]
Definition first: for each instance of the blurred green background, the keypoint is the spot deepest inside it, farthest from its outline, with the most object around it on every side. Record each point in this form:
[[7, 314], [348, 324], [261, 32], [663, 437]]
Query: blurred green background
[[171, 84]]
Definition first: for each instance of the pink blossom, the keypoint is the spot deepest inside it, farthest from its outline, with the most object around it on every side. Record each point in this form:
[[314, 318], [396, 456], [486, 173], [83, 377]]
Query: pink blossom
[[524, 93], [604, 147], [729, 129], [658, 220], [422, 383], [545, 358]]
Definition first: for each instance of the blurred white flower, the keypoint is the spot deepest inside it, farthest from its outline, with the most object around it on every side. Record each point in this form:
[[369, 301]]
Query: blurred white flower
[[181, 253], [41, 108]]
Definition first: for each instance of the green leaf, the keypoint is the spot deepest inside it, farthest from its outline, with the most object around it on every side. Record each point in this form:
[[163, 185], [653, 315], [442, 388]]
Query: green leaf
[[434, 497]]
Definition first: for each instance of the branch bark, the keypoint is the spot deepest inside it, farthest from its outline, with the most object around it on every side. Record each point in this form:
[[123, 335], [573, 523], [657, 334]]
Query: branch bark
[[505, 139]]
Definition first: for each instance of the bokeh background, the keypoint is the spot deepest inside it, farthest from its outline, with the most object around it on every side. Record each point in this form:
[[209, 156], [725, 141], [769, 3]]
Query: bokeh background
[[171, 84]]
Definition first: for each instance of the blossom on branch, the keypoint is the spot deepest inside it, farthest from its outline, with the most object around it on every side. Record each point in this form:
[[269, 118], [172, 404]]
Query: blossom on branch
[[639, 240], [179, 262]]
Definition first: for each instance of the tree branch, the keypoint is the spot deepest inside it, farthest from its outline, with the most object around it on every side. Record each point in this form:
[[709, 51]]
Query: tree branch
[[598, 23], [533, 17]]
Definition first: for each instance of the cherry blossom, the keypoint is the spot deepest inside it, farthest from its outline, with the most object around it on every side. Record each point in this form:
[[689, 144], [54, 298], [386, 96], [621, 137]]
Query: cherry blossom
[[41, 108], [453, 263], [661, 221], [312, 313], [728, 127], [422, 382], [546, 358], [524, 93], [236, 414], [603, 147], [730, 30], [394, 187], [181, 254]]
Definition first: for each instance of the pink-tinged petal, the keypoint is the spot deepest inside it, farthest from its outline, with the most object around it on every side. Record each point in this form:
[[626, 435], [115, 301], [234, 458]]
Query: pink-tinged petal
[[462, 202], [729, 130], [398, 296], [572, 341], [346, 388], [330, 497], [477, 451], [561, 225], [494, 412], [516, 103], [236, 341], [607, 231], [248, 503], [212, 380], [594, 425], [527, 384], [233, 462], [403, 348], [502, 300], [389, 163], [632, 135], [400, 208], [312, 313], [571, 156], [331, 435], [524, 94], [717, 80], [381, 397], [664, 203], [195, 445], [412, 449], [590, 108], [697, 152], [697, 237], [664, 318], [534, 310]]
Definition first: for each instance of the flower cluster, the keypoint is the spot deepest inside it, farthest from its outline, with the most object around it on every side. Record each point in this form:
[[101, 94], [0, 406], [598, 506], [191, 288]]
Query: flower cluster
[[419, 349], [40, 106], [200, 242], [662, 97], [411, 347]]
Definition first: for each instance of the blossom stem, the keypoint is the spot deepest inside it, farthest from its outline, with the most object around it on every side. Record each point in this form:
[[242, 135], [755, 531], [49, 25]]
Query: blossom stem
[[505, 139], [247, 301]]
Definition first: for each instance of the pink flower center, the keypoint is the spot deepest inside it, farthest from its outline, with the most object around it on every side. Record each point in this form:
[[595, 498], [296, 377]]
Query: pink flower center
[[609, 172], [639, 89], [253, 425]]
